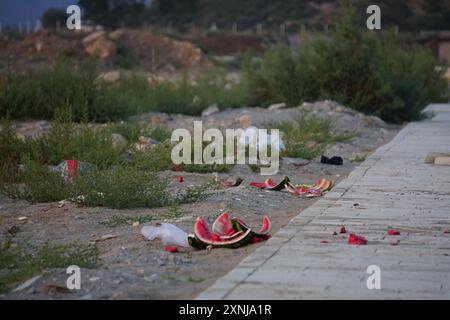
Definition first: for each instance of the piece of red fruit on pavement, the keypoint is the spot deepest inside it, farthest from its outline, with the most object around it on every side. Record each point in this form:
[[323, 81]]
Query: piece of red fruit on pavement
[[392, 232], [324, 241], [334, 233], [180, 179], [171, 249], [343, 230], [355, 239]]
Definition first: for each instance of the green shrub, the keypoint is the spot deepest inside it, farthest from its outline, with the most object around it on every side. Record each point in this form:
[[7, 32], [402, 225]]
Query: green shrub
[[378, 74], [307, 136], [39, 94]]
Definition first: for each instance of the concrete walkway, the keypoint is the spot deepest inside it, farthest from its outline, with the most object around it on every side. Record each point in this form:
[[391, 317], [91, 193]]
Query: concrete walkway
[[393, 188]]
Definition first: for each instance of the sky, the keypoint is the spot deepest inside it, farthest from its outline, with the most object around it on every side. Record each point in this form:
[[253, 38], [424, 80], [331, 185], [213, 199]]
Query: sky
[[14, 11]]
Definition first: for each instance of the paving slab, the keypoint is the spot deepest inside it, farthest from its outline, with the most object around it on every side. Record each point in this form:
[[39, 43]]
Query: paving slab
[[393, 188]]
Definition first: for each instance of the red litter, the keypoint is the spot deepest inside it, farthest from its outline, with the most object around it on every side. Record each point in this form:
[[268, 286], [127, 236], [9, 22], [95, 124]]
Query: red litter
[[334, 233], [392, 232], [324, 241], [180, 179], [171, 249], [355, 239], [343, 230]]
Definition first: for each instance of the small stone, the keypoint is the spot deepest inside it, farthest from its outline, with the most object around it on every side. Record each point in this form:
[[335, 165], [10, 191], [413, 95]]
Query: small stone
[[109, 77], [442, 161], [210, 110], [136, 223], [94, 279], [245, 121], [118, 140], [22, 218], [277, 106], [158, 119]]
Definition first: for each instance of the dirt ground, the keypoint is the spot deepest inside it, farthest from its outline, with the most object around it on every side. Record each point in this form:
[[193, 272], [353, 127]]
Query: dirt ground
[[133, 267]]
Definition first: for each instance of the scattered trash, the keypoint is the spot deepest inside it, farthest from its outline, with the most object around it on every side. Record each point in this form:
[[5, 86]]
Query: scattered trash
[[168, 233], [70, 169], [22, 218], [322, 186], [355, 239], [324, 241], [343, 230], [180, 179], [171, 249], [136, 224], [227, 233], [335, 233], [333, 160], [392, 232], [270, 184]]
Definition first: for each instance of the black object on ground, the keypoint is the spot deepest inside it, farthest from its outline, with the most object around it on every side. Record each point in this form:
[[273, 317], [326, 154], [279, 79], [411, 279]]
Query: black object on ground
[[333, 160]]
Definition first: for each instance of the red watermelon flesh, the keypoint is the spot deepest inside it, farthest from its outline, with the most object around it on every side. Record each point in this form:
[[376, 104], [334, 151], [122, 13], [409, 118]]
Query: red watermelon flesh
[[265, 229], [203, 234], [222, 226]]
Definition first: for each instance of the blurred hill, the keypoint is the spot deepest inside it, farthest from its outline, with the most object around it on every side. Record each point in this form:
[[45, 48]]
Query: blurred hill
[[408, 15]]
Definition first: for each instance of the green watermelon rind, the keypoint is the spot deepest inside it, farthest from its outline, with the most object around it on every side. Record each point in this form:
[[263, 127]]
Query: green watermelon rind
[[244, 238], [238, 226], [280, 186]]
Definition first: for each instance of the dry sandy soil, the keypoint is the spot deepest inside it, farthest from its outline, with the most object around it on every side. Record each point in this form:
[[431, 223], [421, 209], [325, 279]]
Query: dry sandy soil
[[133, 267]]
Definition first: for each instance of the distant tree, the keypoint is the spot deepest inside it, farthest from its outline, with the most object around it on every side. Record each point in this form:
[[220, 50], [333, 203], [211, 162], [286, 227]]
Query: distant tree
[[113, 13], [52, 17]]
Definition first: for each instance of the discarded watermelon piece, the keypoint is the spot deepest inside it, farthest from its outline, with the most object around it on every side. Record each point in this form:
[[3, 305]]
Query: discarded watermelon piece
[[392, 232], [171, 249], [343, 230], [355, 239], [241, 225], [324, 241], [269, 184], [180, 179], [222, 226], [334, 233], [296, 191], [204, 237]]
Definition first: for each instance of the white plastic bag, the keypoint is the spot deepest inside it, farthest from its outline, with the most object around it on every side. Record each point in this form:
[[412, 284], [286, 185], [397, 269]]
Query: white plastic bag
[[168, 233]]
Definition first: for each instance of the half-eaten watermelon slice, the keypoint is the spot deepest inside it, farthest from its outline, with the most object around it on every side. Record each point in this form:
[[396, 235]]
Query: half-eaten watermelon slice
[[222, 226], [204, 237], [269, 184], [241, 225]]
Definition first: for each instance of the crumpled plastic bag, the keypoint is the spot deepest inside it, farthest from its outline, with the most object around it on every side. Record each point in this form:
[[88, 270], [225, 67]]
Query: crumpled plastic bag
[[168, 233]]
